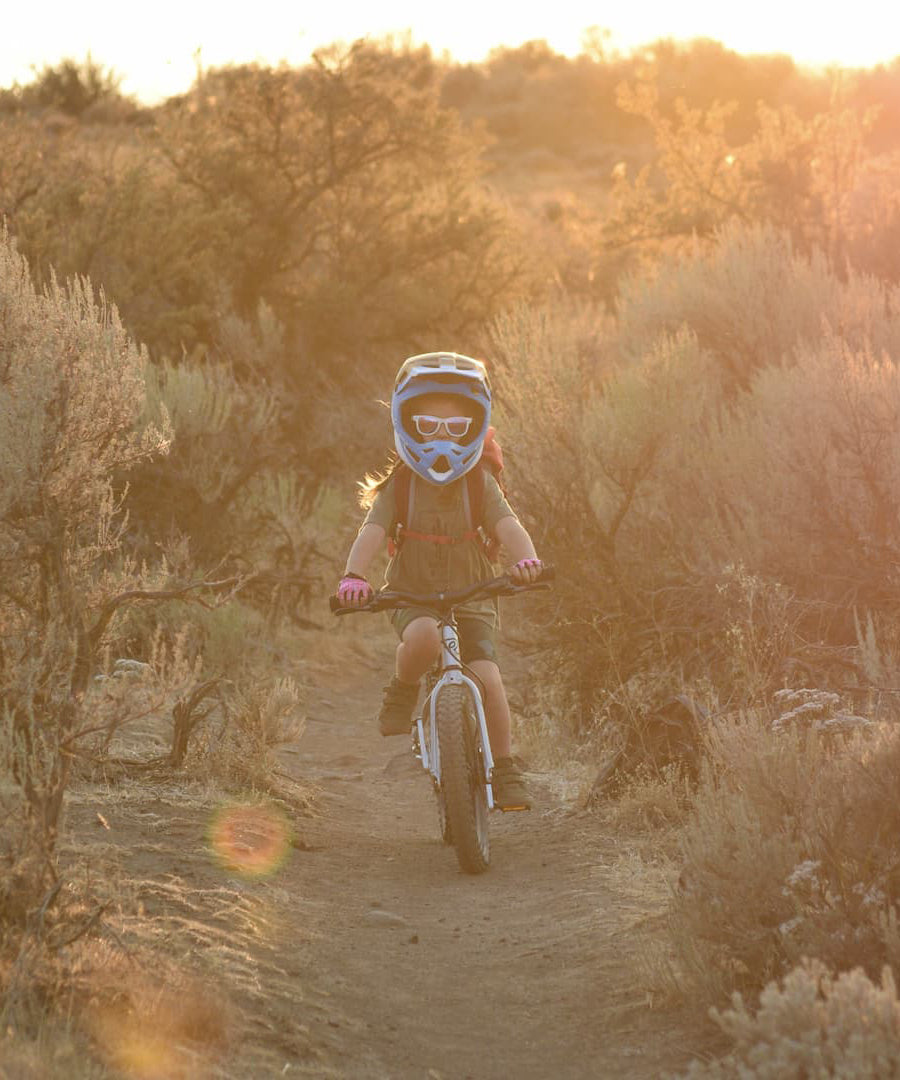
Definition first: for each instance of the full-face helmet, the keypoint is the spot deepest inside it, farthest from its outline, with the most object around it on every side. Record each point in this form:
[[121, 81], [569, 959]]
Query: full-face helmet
[[439, 459]]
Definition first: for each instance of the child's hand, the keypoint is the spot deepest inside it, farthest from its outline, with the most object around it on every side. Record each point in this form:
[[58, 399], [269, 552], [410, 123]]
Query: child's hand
[[354, 591], [526, 571]]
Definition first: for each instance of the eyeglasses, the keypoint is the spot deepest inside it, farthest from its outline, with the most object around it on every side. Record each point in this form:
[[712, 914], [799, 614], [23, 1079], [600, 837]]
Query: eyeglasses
[[455, 426]]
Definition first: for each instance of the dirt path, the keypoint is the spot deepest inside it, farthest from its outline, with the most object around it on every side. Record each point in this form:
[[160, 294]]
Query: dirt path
[[369, 954], [418, 970]]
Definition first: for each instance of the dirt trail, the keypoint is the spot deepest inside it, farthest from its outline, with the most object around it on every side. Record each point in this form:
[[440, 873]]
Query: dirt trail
[[369, 954], [418, 970]]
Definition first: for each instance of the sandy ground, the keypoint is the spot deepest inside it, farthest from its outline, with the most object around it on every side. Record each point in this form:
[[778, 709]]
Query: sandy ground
[[527, 971]]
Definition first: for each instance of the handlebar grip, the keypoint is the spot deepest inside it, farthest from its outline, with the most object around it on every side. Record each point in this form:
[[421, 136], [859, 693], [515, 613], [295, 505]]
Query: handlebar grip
[[337, 608]]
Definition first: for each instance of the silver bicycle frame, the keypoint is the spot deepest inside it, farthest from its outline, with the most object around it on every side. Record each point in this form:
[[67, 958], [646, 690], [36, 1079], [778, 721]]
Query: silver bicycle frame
[[455, 676]]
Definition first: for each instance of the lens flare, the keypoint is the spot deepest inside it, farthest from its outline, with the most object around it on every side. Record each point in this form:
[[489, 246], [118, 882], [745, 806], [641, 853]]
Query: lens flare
[[165, 1027], [251, 840]]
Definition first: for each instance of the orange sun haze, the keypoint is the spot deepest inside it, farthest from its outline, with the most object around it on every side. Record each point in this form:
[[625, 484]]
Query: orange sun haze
[[162, 59]]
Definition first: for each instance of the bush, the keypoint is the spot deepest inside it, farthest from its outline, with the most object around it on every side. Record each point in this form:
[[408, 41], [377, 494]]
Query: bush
[[70, 86], [810, 177], [340, 193], [752, 300], [722, 496], [790, 850], [222, 438], [813, 1026], [235, 748], [348, 200], [71, 396]]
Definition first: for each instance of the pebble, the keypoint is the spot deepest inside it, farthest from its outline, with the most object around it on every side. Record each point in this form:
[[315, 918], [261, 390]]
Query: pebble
[[378, 917]]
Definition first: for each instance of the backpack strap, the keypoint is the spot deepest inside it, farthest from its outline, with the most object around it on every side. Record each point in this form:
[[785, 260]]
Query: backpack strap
[[473, 498], [475, 490], [404, 496], [405, 504]]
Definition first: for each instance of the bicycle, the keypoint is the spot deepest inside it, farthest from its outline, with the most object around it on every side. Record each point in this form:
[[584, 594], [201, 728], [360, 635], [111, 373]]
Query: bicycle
[[450, 735]]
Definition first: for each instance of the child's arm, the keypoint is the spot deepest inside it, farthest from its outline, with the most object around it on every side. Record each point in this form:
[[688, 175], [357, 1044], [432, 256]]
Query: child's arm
[[354, 589], [369, 541], [520, 549]]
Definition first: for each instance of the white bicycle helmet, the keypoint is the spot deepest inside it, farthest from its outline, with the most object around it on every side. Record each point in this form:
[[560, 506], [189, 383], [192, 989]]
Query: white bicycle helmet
[[440, 461]]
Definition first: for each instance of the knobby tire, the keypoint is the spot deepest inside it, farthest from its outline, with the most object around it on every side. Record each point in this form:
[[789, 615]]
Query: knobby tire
[[443, 821], [462, 780]]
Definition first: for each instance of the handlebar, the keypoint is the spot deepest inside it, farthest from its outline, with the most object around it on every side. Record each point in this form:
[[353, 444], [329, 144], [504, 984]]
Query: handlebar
[[443, 602]]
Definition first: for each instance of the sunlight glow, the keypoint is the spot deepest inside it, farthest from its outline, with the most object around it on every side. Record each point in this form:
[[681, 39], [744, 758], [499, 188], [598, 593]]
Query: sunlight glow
[[161, 59]]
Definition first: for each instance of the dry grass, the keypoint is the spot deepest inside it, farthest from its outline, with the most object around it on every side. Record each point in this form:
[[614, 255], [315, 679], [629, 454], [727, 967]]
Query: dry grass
[[164, 944], [654, 804], [180, 952]]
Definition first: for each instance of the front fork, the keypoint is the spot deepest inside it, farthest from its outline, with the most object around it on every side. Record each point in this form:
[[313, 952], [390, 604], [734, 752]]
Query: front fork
[[453, 675]]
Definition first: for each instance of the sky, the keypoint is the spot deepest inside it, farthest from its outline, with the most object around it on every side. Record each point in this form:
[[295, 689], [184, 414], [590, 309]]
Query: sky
[[154, 46]]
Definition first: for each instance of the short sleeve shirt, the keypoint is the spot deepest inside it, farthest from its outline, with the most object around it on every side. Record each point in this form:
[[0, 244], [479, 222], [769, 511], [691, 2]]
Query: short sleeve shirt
[[421, 566]]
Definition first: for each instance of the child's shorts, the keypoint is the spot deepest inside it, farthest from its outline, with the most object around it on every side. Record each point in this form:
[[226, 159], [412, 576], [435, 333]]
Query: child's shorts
[[477, 636]]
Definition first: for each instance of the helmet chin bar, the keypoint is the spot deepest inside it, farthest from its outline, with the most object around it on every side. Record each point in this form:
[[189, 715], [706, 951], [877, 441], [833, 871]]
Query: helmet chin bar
[[424, 459]]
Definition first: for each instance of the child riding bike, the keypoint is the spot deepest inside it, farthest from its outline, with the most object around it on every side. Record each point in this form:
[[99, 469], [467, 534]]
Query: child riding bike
[[440, 523]]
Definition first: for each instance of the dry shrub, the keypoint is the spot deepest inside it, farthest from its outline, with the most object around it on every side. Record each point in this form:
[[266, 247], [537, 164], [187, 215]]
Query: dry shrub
[[651, 801], [813, 461], [748, 299], [235, 748], [715, 474], [183, 641], [225, 432], [71, 397], [813, 1025], [790, 850], [241, 487], [751, 300], [614, 464]]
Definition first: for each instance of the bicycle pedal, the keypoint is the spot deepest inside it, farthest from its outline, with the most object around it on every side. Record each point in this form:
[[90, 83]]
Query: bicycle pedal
[[513, 809]]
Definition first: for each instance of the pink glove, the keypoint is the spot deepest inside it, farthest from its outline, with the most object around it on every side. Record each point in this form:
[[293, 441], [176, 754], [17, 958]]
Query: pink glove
[[526, 571], [353, 591]]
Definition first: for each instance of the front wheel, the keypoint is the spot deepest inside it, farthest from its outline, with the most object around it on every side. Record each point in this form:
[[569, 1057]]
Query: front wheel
[[443, 821], [462, 779]]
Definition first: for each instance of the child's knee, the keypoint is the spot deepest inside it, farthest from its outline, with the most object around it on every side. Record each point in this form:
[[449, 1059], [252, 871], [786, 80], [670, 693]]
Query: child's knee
[[423, 638]]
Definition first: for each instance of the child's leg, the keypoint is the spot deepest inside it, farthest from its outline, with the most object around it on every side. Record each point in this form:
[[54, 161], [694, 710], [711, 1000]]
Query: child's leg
[[507, 781], [479, 651], [420, 646], [496, 707]]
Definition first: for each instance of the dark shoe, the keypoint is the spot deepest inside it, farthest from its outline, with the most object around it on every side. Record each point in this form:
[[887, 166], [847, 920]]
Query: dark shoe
[[508, 786], [396, 713]]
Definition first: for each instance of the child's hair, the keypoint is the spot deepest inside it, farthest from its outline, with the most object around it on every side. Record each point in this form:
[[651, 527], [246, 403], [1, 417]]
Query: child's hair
[[372, 483]]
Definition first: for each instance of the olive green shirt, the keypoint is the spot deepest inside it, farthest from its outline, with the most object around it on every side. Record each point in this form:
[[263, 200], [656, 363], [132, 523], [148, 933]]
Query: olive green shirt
[[422, 566]]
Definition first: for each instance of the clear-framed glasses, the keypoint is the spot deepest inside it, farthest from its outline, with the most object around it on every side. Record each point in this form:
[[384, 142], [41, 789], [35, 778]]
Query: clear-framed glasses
[[457, 427]]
